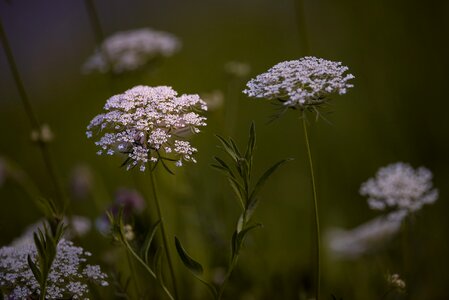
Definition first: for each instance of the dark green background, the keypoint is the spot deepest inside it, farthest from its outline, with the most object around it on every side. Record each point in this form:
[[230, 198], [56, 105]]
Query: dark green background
[[397, 111]]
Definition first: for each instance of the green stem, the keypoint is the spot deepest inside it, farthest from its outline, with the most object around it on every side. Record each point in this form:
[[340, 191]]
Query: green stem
[[43, 292], [146, 267], [315, 208], [32, 116], [164, 234], [136, 276], [228, 274]]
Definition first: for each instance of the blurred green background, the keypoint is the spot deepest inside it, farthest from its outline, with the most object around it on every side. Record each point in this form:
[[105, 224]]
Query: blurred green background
[[397, 111]]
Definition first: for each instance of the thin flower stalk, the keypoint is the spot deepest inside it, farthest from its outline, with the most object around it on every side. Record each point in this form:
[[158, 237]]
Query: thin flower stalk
[[315, 210], [164, 234]]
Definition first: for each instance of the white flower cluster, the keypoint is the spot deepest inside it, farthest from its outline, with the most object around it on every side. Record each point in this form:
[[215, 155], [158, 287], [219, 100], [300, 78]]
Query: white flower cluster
[[147, 124], [130, 50], [398, 186], [365, 238], [68, 276], [300, 83], [400, 189]]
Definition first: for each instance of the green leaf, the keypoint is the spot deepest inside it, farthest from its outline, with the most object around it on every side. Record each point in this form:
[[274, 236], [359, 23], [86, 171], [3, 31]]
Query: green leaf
[[191, 264], [224, 166], [238, 237], [149, 238], [264, 178], [157, 257], [250, 209], [251, 142], [235, 148], [34, 269], [228, 148], [238, 190]]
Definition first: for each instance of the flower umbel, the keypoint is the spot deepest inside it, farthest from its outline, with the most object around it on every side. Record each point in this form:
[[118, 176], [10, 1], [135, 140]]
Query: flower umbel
[[399, 186], [129, 50], [149, 124], [301, 83], [68, 277]]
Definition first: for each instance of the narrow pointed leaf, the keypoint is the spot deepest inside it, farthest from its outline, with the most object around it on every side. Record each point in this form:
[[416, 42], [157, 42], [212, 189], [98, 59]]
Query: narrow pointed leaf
[[228, 148], [157, 258], [34, 269], [224, 165], [194, 266], [147, 244], [241, 236], [265, 176], [251, 141], [235, 148]]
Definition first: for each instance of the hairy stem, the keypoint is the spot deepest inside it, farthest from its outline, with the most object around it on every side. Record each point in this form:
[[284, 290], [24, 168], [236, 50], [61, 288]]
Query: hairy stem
[[164, 234], [315, 209], [32, 116]]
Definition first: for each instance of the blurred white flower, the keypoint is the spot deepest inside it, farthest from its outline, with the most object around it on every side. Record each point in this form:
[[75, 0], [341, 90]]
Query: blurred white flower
[[129, 50], [399, 186], [364, 239], [146, 124], [300, 83], [214, 99], [237, 68], [396, 282], [43, 135], [77, 226], [129, 232], [68, 278]]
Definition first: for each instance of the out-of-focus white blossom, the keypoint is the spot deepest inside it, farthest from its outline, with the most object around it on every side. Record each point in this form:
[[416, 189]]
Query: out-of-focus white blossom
[[214, 99], [237, 68], [129, 50], [399, 186], [395, 281], [301, 83], [77, 226], [43, 135], [364, 239], [68, 277], [148, 124]]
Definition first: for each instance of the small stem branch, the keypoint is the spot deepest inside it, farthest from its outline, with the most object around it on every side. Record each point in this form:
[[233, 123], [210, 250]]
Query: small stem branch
[[146, 267], [32, 116], [164, 234], [315, 209]]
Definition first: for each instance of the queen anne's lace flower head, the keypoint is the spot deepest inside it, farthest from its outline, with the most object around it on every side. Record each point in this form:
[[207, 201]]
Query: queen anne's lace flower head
[[149, 124], [130, 50], [399, 186], [68, 277], [301, 83]]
